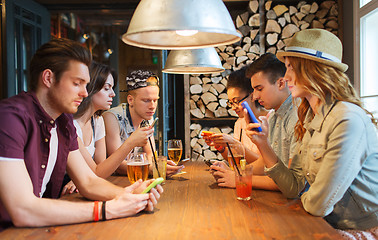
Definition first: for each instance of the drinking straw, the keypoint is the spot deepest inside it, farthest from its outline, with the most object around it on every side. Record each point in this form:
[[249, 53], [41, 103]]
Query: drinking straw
[[233, 159], [153, 153]]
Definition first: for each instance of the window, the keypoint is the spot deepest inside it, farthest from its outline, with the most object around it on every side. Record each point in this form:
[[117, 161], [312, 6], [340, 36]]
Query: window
[[366, 53]]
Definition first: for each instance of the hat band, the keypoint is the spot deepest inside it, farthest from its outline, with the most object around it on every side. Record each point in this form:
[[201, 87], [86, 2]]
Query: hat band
[[314, 53]]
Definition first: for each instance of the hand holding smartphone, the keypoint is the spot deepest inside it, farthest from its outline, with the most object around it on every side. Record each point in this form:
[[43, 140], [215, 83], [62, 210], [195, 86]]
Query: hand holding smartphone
[[145, 123], [252, 117], [153, 184], [182, 162]]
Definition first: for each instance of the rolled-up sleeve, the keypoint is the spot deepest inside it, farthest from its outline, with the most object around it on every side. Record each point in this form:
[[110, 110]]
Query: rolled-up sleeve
[[290, 181]]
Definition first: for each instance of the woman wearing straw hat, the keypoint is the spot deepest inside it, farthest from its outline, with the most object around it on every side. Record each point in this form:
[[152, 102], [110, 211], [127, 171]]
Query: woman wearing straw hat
[[338, 152]]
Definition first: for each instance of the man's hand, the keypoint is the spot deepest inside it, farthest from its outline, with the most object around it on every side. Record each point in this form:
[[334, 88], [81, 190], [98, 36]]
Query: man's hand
[[258, 137], [154, 193], [131, 202], [140, 137]]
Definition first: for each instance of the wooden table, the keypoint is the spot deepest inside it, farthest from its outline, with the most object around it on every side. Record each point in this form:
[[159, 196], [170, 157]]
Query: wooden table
[[193, 207]]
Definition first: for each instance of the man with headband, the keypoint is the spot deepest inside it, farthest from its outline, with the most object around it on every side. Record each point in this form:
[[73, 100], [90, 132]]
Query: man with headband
[[121, 121]]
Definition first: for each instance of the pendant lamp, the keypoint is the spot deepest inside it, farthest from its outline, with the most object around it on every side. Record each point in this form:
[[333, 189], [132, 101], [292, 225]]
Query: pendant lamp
[[195, 61], [180, 24]]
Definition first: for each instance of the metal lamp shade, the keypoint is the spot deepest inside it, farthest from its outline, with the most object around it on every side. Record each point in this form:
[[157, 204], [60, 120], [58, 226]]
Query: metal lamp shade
[[195, 61], [155, 24]]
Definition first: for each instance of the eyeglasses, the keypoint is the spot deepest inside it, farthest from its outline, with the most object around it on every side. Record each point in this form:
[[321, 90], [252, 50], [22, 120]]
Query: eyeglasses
[[235, 103]]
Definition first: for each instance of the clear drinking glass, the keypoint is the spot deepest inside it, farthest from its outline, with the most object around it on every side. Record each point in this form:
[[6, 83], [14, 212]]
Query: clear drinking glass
[[137, 166], [174, 150], [243, 182], [238, 153], [162, 167]]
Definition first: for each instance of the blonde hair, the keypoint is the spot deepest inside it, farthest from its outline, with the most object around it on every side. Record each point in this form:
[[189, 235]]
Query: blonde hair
[[321, 81]]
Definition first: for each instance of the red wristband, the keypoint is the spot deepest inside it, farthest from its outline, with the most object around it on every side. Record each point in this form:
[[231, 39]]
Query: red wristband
[[95, 212]]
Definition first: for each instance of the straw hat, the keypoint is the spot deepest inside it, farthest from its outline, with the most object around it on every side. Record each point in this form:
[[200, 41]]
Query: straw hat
[[318, 45]]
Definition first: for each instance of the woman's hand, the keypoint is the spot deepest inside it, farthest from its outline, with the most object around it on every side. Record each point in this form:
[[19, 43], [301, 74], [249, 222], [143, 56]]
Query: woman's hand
[[220, 139], [223, 175], [172, 168], [69, 188]]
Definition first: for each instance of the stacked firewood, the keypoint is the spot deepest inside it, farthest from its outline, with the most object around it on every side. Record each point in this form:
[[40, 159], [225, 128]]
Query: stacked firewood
[[200, 150], [263, 30], [283, 21]]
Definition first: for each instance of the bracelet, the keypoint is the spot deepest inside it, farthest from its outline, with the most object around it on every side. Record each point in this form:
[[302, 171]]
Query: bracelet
[[103, 210], [220, 149], [95, 212]]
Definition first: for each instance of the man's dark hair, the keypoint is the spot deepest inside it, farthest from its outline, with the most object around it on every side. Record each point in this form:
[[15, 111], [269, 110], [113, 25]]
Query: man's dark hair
[[99, 74], [238, 79], [56, 55], [269, 65]]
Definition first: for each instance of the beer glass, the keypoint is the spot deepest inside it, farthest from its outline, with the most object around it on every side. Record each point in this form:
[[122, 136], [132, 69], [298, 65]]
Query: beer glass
[[174, 150], [137, 166], [238, 153]]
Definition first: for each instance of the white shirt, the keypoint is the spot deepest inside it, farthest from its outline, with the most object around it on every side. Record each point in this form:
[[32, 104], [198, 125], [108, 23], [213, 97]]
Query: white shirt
[[99, 133]]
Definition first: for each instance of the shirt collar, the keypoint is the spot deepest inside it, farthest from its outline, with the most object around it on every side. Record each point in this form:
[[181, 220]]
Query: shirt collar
[[42, 115], [317, 121], [285, 106]]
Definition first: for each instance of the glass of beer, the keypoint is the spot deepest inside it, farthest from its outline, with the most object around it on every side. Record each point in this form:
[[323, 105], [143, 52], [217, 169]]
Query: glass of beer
[[174, 150], [238, 153], [137, 167]]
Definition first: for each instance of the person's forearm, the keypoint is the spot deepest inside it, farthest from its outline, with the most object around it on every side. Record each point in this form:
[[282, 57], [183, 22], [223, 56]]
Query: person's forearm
[[269, 156], [250, 156], [110, 165], [98, 188], [264, 182], [53, 212]]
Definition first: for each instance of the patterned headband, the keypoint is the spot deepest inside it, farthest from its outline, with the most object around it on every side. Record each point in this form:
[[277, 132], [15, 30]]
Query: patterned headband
[[141, 78]]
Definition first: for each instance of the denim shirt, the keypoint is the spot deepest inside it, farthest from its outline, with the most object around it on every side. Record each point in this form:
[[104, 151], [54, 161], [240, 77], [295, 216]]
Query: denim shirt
[[122, 113], [281, 130], [338, 157]]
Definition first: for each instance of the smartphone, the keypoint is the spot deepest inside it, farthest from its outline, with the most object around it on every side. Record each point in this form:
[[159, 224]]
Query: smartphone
[[144, 123], [153, 184], [208, 163], [182, 162], [252, 117], [153, 124], [206, 133]]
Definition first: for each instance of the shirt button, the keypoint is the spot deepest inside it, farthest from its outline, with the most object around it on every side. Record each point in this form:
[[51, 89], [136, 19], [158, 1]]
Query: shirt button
[[46, 140], [43, 166], [52, 121], [308, 174], [40, 121], [314, 154]]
